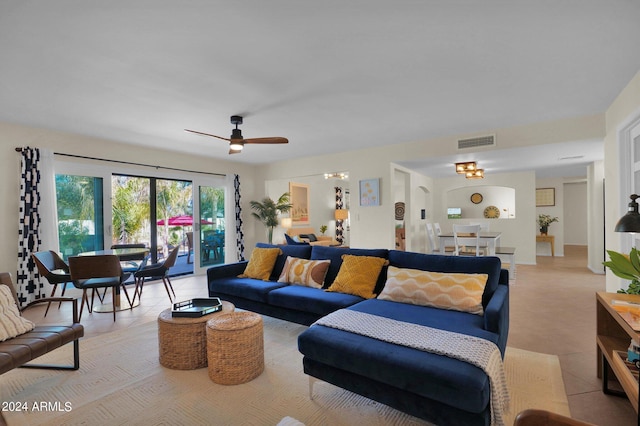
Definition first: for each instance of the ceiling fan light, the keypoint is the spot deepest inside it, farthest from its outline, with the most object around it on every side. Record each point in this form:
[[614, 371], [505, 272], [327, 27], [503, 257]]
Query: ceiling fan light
[[236, 146]]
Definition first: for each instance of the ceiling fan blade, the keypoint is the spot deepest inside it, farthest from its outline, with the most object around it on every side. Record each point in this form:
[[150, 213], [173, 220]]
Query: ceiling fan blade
[[273, 140], [207, 134]]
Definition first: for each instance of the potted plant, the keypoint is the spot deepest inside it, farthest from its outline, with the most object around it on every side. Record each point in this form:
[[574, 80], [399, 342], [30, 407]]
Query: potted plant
[[267, 211], [626, 266], [544, 220], [323, 229]]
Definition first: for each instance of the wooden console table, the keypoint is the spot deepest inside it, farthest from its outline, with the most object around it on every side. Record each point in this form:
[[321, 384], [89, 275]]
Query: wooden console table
[[547, 239], [613, 335]]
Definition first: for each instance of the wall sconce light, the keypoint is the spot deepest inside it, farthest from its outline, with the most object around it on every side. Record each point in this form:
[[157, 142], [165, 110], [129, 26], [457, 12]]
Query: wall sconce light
[[475, 174], [464, 168], [336, 175], [286, 222], [630, 222], [342, 214]]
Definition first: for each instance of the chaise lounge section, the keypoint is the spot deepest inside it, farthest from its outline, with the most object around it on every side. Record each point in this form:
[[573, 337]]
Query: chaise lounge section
[[433, 387]]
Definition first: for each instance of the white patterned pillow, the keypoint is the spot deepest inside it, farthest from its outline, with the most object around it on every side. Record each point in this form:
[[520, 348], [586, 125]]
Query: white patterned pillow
[[453, 291], [309, 273], [12, 323]]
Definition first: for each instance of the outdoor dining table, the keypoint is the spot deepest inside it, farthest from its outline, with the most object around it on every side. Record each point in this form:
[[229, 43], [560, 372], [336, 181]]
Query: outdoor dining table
[[490, 238], [124, 254]]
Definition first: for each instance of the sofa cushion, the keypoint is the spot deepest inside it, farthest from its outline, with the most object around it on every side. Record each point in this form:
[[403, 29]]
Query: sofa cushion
[[358, 275], [305, 272], [335, 255], [261, 263], [248, 288], [440, 263], [301, 251], [310, 299], [445, 290], [12, 324], [399, 366]]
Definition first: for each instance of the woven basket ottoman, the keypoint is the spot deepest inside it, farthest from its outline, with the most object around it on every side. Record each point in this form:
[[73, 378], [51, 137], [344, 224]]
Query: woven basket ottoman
[[182, 341], [235, 348]]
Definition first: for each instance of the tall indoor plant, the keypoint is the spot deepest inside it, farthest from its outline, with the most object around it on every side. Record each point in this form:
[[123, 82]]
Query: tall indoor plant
[[267, 211]]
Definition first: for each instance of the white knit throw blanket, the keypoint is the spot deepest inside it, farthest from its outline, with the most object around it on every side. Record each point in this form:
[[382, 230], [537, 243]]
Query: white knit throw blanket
[[473, 350]]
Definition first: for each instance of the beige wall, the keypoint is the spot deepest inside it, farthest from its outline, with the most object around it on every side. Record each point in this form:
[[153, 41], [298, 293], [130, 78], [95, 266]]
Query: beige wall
[[371, 227], [12, 136], [624, 111]]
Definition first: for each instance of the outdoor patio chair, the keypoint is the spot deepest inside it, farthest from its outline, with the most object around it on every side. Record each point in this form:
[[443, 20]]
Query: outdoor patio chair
[[54, 269]]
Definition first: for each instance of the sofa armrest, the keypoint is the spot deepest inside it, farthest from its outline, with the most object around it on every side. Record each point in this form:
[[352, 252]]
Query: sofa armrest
[[496, 315], [226, 271], [55, 299]]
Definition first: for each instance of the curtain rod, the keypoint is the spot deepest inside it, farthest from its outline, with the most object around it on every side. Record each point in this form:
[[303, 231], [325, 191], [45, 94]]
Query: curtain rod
[[18, 149]]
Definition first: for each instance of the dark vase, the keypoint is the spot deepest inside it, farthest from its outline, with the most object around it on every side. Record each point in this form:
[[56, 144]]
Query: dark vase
[[544, 230]]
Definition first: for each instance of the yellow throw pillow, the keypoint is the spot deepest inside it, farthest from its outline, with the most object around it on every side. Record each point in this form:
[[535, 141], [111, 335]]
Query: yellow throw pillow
[[453, 291], [309, 273], [261, 263], [358, 275]]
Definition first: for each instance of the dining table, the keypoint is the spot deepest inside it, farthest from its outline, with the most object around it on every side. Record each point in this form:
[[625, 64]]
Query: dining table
[[125, 255], [487, 238]]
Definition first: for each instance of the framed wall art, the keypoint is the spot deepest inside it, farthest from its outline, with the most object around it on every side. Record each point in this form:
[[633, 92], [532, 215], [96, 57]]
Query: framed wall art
[[299, 193], [545, 197], [370, 192]]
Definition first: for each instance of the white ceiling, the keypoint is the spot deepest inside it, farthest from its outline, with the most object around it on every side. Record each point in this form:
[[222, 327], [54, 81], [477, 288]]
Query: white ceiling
[[331, 76]]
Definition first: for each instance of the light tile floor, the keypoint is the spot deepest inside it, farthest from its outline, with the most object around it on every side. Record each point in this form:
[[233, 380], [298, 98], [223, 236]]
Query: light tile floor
[[552, 311]]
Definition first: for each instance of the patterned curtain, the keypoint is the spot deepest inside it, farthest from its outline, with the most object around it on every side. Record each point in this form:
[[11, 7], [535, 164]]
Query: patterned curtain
[[339, 223], [238, 209], [29, 286]]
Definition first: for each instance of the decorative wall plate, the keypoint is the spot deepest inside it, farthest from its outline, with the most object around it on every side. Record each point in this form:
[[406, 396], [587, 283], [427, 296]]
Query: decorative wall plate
[[476, 198], [492, 212]]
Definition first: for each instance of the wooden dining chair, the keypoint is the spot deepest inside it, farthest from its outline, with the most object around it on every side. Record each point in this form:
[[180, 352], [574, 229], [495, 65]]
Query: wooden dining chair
[[54, 269], [466, 240], [96, 272]]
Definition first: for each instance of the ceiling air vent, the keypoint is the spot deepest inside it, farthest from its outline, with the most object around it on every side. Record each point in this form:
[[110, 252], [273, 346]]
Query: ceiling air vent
[[477, 142]]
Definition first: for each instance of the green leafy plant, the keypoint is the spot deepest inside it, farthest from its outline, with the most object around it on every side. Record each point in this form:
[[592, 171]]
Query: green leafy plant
[[626, 267], [546, 220], [323, 229], [267, 211]]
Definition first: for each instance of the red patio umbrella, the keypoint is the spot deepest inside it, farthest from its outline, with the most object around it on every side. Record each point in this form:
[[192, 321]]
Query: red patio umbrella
[[182, 221]]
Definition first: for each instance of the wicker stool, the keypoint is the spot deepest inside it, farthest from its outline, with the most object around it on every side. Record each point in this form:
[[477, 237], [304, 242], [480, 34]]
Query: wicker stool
[[235, 348], [182, 342]]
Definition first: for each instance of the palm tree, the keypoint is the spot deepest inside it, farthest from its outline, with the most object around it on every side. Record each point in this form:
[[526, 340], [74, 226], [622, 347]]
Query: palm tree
[[267, 211]]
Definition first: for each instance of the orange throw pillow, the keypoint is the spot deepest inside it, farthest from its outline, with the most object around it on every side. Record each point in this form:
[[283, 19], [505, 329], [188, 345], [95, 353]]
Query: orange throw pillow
[[358, 275], [261, 263]]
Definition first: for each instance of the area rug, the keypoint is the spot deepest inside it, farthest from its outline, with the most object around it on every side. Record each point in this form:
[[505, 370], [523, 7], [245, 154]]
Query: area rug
[[121, 382]]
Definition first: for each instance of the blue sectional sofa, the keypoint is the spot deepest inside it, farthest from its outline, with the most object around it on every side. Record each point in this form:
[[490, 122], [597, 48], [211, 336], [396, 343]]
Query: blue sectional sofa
[[436, 388]]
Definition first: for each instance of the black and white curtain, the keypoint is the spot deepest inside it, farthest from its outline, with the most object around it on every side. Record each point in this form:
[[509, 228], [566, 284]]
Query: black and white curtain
[[29, 286], [238, 211], [339, 223]]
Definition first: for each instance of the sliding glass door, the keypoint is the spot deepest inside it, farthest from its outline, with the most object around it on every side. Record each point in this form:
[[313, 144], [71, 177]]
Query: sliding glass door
[[102, 205], [212, 226], [79, 201]]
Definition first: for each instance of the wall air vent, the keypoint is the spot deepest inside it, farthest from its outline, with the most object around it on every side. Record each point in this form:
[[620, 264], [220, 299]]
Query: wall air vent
[[476, 142]]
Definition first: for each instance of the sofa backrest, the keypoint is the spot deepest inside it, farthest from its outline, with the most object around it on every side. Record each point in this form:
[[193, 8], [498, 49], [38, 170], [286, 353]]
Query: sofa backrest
[[461, 264], [334, 254], [301, 251]]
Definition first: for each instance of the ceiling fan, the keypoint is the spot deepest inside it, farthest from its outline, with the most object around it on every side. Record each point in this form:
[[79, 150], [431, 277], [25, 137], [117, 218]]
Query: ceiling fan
[[237, 142]]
